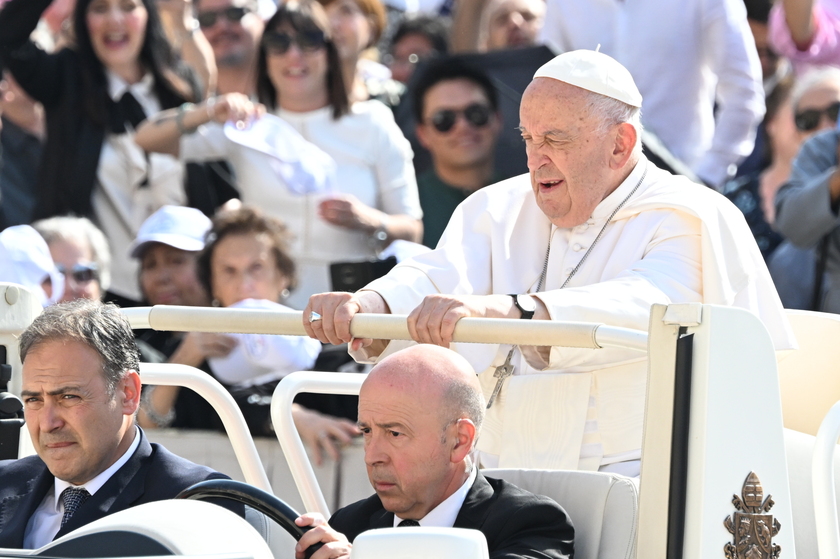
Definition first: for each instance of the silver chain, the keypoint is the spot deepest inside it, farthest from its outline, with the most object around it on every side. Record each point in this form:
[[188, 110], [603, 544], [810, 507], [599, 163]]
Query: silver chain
[[598, 238]]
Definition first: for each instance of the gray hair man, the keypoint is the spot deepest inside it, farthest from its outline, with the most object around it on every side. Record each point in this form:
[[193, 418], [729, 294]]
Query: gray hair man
[[594, 233], [80, 251], [81, 392]]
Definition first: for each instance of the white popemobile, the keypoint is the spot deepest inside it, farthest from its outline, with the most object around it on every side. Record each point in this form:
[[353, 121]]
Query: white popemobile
[[721, 475]]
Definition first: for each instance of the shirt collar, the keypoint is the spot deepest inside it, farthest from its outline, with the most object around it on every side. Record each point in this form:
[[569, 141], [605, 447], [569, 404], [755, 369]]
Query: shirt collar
[[96, 483], [118, 86], [444, 515], [608, 204]]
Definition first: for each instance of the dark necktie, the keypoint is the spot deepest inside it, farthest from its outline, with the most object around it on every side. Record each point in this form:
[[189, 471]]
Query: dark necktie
[[73, 498], [407, 523], [127, 111]]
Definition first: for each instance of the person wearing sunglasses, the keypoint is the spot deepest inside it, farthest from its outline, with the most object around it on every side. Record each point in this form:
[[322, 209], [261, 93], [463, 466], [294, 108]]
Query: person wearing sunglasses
[[233, 28], [807, 205], [373, 199], [80, 251], [456, 111]]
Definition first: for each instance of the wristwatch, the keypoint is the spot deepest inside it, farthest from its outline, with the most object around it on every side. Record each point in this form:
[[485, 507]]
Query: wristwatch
[[526, 305]]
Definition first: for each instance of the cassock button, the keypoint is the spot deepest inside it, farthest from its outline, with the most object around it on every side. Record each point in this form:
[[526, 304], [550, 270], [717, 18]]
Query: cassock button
[[582, 227], [577, 247]]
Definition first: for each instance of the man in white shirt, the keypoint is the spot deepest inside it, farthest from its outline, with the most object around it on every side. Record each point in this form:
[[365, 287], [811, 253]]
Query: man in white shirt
[[596, 233], [81, 392], [420, 412]]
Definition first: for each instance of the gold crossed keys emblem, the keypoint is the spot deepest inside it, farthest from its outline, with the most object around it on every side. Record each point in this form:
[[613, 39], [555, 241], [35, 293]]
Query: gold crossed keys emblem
[[752, 527]]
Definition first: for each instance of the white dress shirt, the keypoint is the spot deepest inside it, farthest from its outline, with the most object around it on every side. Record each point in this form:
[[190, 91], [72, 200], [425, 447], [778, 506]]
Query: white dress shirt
[[444, 515], [684, 56], [131, 185], [45, 522]]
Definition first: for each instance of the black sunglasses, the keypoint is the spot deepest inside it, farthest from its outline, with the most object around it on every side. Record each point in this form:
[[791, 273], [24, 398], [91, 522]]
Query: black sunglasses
[[809, 119], [279, 42], [81, 273], [233, 14], [476, 114]]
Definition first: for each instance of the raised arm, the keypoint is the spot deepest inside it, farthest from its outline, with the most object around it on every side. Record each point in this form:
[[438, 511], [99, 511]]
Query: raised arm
[[799, 16], [37, 72], [162, 132], [187, 39]]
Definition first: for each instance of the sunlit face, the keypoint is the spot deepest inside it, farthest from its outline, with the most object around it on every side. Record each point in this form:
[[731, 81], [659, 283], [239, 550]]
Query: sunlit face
[[465, 145], [234, 41], [77, 427], [820, 97], [568, 161], [168, 277], [244, 267], [75, 259], [352, 30], [407, 448], [299, 76], [117, 30], [515, 23]]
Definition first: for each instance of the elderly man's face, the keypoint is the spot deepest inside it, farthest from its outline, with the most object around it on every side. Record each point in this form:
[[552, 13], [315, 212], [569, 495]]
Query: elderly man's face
[[74, 259], [407, 447], [569, 161], [77, 427]]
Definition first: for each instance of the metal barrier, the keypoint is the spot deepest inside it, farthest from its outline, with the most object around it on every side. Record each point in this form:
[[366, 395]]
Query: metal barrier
[[169, 374], [388, 327]]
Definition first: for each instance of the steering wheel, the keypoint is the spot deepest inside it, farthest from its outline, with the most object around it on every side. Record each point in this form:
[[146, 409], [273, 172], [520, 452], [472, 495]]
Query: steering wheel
[[251, 496]]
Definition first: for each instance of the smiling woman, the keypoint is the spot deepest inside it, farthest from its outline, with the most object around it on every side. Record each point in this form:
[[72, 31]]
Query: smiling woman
[[95, 94]]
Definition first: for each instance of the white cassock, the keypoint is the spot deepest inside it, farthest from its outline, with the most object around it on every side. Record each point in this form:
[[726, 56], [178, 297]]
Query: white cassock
[[673, 241]]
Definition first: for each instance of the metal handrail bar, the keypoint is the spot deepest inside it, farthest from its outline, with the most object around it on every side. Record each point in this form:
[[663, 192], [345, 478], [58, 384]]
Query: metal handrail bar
[[172, 374], [822, 474], [388, 327], [281, 416]]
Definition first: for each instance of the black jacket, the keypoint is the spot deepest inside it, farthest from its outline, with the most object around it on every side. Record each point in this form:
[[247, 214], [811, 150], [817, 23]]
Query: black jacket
[[516, 523], [151, 474]]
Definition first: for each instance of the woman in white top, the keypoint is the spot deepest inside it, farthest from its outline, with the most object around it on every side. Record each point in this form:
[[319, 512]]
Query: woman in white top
[[373, 198]]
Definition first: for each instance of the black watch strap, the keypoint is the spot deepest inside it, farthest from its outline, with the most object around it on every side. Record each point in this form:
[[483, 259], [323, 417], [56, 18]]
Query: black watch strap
[[527, 313]]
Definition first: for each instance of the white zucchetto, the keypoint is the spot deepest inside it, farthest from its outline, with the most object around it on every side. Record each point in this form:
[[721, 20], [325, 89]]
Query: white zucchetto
[[595, 72]]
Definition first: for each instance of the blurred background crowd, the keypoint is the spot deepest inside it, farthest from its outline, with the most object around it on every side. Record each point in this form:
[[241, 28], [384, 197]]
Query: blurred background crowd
[[248, 154]]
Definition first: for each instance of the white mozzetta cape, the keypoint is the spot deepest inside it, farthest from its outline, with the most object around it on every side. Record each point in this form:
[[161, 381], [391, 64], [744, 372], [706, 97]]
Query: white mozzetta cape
[[673, 241]]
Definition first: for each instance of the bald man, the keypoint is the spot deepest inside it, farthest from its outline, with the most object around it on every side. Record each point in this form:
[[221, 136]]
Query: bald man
[[420, 411]]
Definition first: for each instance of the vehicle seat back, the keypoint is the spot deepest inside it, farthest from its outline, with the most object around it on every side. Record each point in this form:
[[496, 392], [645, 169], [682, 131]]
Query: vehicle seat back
[[603, 507], [808, 377]]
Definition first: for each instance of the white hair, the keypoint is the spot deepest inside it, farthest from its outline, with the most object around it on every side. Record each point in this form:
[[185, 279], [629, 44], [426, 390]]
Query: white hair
[[609, 112], [811, 79], [80, 229]]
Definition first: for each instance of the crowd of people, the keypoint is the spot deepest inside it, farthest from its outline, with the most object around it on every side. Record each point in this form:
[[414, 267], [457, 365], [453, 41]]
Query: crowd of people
[[239, 153]]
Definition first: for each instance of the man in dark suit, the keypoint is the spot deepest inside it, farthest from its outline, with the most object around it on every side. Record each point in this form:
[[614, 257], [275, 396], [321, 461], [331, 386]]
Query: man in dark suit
[[81, 392], [420, 411]]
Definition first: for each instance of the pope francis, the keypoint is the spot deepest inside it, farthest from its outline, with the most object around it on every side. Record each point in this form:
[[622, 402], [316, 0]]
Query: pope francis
[[593, 233]]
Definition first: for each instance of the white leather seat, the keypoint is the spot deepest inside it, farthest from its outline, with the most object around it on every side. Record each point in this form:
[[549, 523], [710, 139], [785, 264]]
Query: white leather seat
[[603, 507], [808, 376]]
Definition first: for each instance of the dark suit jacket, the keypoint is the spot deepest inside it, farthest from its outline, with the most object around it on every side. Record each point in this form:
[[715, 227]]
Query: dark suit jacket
[[151, 474], [516, 523]]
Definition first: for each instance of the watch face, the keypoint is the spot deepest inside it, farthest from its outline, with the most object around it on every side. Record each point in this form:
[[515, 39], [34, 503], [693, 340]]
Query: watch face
[[527, 304]]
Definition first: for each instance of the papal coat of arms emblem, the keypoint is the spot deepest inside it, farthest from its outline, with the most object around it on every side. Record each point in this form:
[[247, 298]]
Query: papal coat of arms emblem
[[752, 527]]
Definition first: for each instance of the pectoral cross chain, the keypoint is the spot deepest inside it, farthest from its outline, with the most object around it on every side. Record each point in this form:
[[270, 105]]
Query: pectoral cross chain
[[503, 371]]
